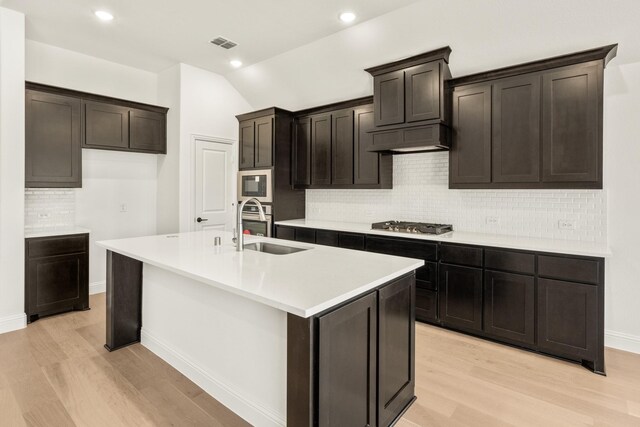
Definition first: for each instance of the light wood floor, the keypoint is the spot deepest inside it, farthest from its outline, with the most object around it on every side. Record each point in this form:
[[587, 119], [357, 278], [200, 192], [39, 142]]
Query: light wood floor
[[56, 373]]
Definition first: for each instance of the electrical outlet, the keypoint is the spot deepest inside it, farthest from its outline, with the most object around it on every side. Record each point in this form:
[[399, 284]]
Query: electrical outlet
[[566, 224], [43, 215], [493, 220], [123, 208]]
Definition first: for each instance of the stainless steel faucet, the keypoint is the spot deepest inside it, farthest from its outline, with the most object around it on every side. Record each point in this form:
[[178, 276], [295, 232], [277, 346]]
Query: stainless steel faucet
[[239, 231]]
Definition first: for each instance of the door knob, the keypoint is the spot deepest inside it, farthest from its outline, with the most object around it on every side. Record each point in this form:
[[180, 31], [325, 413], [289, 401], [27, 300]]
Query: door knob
[[201, 219]]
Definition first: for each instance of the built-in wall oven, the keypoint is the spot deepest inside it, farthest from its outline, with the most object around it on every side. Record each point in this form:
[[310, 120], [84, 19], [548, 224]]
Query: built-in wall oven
[[252, 223], [257, 184]]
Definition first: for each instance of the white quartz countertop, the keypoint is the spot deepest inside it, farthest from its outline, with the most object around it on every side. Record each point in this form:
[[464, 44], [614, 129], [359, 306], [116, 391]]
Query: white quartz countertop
[[55, 231], [570, 247], [302, 283]]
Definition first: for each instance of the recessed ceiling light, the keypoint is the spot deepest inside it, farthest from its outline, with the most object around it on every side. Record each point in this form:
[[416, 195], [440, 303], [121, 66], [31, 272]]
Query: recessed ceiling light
[[235, 63], [103, 15], [347, 17]]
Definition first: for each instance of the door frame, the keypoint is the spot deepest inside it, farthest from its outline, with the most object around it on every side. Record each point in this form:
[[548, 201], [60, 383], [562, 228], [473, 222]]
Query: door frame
[[189, 224]]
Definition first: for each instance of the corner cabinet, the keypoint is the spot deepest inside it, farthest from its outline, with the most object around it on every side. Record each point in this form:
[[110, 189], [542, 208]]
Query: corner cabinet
[[536, 125], [332, 149], [354, 365], [56, 275], [53, 127]]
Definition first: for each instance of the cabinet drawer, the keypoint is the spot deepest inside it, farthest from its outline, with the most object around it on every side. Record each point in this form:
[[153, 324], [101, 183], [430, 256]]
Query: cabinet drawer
[[427, 276], [517, 262], [463, 255], [426, 305], [50, 246], [403, 247], [306, 235], [352, 241], [572, 269], [327, 238], [286, 233]]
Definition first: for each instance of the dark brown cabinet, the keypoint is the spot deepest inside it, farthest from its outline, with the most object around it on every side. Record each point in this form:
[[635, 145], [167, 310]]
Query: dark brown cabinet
[[572, 124], [348, 365], [148, 131], [460, 294], [423, 95], [56, 275], [509, 306], [535, 125], [470, 156], [105, 125], [568, 319], [388, 98], [321, 149], [516, 129], [396, 348], [369, 168], [53, 156], [302, 152], [342, 147], [256, 143]]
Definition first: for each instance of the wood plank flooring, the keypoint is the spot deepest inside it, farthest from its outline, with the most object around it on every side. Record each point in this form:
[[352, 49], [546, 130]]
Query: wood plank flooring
[[57, 373]]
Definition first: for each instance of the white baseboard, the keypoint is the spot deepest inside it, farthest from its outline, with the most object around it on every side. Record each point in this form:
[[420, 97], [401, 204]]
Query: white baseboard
[[253, 413], [97, 287], [13, 322], [622, 341]]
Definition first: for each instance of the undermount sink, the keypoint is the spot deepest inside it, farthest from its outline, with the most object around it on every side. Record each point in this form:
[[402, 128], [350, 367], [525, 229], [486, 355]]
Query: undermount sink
[[271, 248]]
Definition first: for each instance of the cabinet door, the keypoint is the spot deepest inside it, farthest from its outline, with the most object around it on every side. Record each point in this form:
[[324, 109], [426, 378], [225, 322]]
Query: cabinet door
[[366, 165], [285, 233], [105, 126], [247, 144], [422, 92], [347, 365], [426, 305], [342, 147], [321, 150], [572, 125], [568, 318], [461, 296], [396, 348], [53, 156], [57, 283], [470, 154], [264, 142], [516, 129], [509, 304], [302, 152], [148, 131], [388, 98]]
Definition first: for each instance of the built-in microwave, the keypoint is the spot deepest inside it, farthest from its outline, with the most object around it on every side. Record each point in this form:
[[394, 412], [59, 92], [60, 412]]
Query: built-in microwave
[[255, 184]]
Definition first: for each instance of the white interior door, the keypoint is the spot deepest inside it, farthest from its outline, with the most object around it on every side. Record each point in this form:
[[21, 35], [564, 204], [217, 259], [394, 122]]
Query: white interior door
[[214, 185]]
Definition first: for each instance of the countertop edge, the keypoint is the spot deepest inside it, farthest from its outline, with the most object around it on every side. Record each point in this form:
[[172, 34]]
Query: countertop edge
[[360, 228]]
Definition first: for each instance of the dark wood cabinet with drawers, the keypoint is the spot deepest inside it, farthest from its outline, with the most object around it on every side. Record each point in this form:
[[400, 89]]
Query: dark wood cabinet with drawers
[[535, 125], [549, 303], [56, 275]]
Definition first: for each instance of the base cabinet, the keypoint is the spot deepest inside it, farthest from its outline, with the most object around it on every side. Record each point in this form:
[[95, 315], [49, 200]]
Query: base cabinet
[[461, 296], [56, 275]]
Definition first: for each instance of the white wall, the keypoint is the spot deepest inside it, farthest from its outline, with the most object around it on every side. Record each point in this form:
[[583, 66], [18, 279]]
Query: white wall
[[110, 178], [207, 105], [11, 170], [484, 36]]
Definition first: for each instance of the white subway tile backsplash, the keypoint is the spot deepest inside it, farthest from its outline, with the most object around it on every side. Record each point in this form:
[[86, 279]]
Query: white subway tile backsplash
[[48, 208], [420, 193]]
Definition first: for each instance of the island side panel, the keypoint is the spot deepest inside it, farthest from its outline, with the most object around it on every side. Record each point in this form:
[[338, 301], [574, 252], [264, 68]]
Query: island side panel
[[301, 370], [124, 301]]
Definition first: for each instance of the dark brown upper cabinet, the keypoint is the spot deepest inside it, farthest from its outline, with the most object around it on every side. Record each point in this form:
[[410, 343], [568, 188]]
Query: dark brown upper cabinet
[[572, 124], [259, 133], [106, 125], [470, 158], [53, 128], [342, 147], [321, 149], [147, 131], [331, 148], [544, 124], [411, 93]]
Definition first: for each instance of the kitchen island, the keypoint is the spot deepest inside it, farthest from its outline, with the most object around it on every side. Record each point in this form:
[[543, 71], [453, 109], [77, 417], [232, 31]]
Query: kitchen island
[[320, 336]]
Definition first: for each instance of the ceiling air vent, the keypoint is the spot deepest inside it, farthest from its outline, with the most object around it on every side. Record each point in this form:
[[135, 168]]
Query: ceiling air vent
[[222, 42]]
